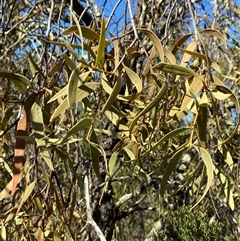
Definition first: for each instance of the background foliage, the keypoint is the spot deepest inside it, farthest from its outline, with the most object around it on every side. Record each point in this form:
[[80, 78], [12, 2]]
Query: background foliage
[[114, 123]]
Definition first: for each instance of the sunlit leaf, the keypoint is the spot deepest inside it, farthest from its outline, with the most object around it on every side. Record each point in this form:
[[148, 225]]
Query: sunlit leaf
[[82, 92], [72, 90], [38, 127], [82, 124], [102, 45], [214, 33], [26, 194], [64, 90], [112, 97], [220, 96], [175, 69], [134, 78], [156, 41], [209, 169]]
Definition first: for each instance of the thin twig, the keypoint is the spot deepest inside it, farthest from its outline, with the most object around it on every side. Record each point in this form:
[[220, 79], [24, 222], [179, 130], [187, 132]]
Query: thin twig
[[132, 20], [113, 11]]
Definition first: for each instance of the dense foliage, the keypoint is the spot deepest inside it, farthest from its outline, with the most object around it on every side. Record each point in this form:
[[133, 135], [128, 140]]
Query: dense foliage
[[108, 132]]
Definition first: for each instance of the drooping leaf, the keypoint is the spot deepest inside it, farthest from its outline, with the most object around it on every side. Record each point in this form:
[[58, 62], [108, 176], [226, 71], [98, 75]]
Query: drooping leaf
[[180, 42], [209, 170], [112, 97], [170, 167], [72, 90], [214, 33], [101, 46], [82, 92], [38, 127], [7, 116], [112, 162], [156, 41], [33, 65], [166, 137], [223, 89], [26, 194], [64, 90], [82, 124], [134, 78], [95, 154], [20, 81], [153, 103]]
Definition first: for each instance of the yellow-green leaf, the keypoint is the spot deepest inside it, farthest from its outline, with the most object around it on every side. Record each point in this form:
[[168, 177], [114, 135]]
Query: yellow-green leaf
[[26, 194], [134, 78], [209, 170], [174, 69], [95, 154], [112, 97], [153, 103], [220, 96], [82, 124], [82, 92], [38, 127], [214, 33], [156, 41], [64, 90], [112, 162], [170, 167], [102, 45], [20, 81]]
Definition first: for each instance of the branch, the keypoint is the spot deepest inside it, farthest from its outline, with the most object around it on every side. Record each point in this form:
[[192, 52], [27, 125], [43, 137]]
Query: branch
[[79, 9], [89, 211]]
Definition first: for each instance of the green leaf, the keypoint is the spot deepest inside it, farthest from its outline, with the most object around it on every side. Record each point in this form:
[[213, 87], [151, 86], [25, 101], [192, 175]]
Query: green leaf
[[33, 65], [174, 69], [203, 153], [112, 162], [81, 125], [223, 89], [129, 153], [156, 41], [64, 90], [170, 167], [71, 50], [20, 81], [83, 91], [95, 154], [72, 90], [7, 116], [112, 97], [69, 62], [166, 137], [134, 78], [38, 127], [154, 102], [101, 46], [202, 125], [26, 194], [191, 92]]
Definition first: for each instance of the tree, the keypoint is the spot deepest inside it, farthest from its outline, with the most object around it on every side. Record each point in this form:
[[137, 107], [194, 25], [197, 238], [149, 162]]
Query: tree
[[112, 128]]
